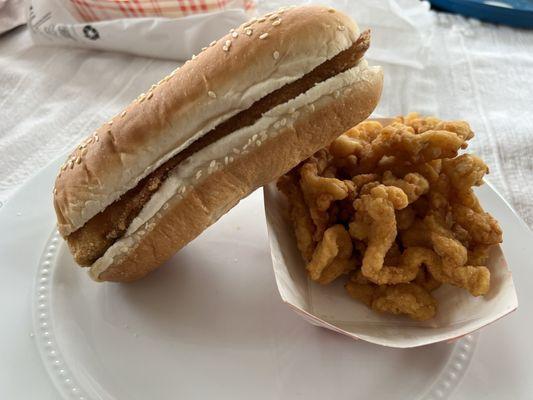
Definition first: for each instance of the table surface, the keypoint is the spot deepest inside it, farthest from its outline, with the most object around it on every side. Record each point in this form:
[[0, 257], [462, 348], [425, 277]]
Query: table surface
[[438, 64]]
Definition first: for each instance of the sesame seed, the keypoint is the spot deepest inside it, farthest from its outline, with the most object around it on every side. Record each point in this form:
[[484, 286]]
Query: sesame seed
[[63, 167], [96, 138], [226, 159], [292, 110], [275, 55], [198, 174], [283, 121], [258, 142], [276, 22], [234, 34], [263, 136], [110, 122], [193, 57], [225, 48], [212, 94], [231, 30], [273, 17], [83, 152], [81, 146], [269, 14], [182, 189], [250, 23], [71, 164], [212, 164], [153, 87], [261, 20], [123, 113], [249, 32], [231, 159], [55, 191], [150, 95], [276, 125], [204, 48], [341, 27], [78, 160], [212, 43], [331, 10], [228, 43], [336, 94], [254, 137], [263, 35]]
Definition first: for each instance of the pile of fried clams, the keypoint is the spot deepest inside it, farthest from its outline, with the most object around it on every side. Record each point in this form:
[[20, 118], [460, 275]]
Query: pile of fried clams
[[392, 209]]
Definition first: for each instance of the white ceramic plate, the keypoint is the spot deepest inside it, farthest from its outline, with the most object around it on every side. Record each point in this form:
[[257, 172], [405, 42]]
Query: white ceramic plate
[[208, 324]]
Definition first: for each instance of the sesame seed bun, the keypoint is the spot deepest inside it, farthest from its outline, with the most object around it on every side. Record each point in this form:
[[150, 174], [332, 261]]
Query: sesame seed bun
[[223, 80], [228, 77], [181, 218]]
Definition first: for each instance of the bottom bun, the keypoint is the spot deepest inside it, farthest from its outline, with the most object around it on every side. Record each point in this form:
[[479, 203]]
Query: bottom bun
[[184, 217]]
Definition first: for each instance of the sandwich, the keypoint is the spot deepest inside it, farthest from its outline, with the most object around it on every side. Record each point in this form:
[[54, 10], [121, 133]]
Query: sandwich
[[238, 115]]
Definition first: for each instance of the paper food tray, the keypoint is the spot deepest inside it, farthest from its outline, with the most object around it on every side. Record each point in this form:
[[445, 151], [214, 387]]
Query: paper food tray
[[331, 307]]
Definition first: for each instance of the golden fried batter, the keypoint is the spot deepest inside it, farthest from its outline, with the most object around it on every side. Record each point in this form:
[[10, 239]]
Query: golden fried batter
[[332, 256], [375, 223], [319, 192], [405, 298], [413, 184], [300, 217], [481, 226], [426, 280], [405, 197], [465, 171]]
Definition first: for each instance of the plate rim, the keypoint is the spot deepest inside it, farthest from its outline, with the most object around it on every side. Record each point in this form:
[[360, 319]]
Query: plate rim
[[67, 385]]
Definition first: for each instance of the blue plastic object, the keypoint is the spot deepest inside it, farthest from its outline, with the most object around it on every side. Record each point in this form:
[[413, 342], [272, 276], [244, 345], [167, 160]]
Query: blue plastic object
[[517, 13]]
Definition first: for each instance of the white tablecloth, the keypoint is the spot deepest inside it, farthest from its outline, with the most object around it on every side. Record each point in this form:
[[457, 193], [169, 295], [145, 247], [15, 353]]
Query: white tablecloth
[[436, 64]]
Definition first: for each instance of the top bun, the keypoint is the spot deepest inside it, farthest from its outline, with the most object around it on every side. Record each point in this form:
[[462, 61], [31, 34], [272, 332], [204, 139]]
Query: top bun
[[227, 77]]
